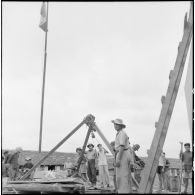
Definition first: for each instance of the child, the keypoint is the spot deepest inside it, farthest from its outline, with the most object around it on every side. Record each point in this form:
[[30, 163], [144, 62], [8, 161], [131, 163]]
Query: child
[[103, 167]]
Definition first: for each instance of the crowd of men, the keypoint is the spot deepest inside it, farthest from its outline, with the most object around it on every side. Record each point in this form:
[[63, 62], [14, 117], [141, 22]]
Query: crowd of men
[[126, 164]]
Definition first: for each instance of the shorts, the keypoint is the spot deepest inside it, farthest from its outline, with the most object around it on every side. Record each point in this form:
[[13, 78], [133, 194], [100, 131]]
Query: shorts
[[159, 169], [187, 171]]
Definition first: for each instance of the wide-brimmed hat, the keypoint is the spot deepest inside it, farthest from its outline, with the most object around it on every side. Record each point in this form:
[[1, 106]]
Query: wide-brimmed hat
[[18, 149], [119, 122], [28, 158], [90, 145]]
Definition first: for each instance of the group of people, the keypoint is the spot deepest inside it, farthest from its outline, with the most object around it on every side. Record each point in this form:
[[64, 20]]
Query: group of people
[[11, 168], [91, 162], [126, 163], [125, 159], [164, 173]]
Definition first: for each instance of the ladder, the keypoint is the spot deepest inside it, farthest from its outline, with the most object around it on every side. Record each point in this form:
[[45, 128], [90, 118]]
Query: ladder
[[168, 101]]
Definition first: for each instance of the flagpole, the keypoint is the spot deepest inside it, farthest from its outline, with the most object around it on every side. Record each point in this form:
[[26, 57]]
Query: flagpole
[[43, 85]]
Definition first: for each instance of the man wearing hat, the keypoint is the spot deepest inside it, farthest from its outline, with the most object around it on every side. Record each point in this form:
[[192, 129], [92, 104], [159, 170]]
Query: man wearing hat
[[27, 166], [91, 156], [123, 158], [14, 164]]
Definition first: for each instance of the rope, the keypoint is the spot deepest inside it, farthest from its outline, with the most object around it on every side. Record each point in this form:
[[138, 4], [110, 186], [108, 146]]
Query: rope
[[97, 140]]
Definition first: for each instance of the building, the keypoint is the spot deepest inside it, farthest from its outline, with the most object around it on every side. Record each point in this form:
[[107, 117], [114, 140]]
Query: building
[[56, 160]]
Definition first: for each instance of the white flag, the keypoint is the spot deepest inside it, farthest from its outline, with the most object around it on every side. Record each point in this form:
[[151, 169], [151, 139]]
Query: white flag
[[43, 21]]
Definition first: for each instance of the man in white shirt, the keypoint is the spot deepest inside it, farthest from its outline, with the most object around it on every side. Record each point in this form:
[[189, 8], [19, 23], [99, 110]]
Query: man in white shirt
[[123, 158], [103, 167]]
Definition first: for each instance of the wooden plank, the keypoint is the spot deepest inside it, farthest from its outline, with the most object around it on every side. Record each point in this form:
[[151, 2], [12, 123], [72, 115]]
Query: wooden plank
[[149, 171], [46, 187], [42, 188], [65, 181]]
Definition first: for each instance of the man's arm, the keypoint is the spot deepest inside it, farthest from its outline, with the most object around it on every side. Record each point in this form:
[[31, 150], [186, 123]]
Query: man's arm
[[181, 155], [105, 151]]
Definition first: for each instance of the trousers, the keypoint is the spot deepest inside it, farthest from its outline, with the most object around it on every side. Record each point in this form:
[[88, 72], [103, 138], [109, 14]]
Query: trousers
[[104, 175], [13, 173], [91, 171], [123, 174]]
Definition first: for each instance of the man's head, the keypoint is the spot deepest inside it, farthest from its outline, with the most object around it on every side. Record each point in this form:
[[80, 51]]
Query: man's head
[[136, 147], [162, 154], [18, 150], [118, 124], [79, 150], [5, 153], [100, 146], [90, 146], [187, 146]]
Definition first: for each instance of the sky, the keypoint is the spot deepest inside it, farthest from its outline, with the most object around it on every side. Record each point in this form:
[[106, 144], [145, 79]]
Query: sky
[[109, 59]]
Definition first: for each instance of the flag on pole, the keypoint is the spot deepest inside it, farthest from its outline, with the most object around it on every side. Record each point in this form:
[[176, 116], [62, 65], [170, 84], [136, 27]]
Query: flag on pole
[[43, 21], [188, 90]]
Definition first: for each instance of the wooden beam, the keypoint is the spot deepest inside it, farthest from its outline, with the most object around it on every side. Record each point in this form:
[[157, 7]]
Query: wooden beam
[[83, 149], [53, 150], [149, 171], [31, 187], [96, 128]]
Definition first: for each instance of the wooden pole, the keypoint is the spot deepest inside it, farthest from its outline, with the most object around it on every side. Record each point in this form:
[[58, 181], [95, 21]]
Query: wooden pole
[[83, 149], [43, 86], [103, 138], [53, 150]]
